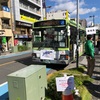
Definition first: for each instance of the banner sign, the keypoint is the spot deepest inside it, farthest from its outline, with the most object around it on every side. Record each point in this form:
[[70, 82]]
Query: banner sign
[[63, 83], [26, 18], [91, 30], [4, 40], [23, 36], [47, 54], [23, 24]]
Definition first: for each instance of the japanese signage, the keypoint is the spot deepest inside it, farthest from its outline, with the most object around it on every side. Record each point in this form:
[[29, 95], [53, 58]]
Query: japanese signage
[[63, 83], [23, 24], [26, 18], [91, 30], [50, 23]]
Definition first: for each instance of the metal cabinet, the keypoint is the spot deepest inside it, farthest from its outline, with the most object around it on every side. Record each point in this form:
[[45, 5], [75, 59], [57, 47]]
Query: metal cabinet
[[28, 83]]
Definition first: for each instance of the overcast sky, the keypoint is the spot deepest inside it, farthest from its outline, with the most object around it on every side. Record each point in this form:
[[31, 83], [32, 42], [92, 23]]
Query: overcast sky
[[86, 8]]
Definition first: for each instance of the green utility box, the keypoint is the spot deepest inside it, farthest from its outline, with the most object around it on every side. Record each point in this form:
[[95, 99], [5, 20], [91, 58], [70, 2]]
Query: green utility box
[[14, 49], [29, 45], [28, 83]]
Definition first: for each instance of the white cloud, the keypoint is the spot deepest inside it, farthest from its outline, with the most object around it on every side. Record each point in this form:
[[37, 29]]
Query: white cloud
[[83, 11], [70, 5]]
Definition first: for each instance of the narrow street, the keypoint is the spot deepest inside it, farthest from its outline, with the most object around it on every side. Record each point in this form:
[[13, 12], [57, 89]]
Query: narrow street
[[96, 84]]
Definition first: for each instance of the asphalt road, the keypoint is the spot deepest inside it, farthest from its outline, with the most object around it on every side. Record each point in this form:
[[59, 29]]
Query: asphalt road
[[14, 63]]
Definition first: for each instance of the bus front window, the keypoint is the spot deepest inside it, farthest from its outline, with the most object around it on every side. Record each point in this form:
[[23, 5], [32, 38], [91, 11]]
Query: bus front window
[[50, 37]]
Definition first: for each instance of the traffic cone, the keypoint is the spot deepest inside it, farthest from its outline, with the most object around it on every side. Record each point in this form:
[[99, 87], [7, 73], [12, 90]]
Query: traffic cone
[[67, 95]]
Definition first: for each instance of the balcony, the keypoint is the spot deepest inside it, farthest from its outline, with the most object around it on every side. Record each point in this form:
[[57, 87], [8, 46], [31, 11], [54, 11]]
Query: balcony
[[4, 14], [30, 9]]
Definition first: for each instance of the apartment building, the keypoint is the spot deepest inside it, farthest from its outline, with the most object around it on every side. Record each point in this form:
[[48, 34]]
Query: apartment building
[[58, 14], [6, 36], [25, 13]]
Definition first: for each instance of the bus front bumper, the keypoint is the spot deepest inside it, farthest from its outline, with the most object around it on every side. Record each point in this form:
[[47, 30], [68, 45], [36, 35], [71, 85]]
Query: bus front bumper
[[64, 62]]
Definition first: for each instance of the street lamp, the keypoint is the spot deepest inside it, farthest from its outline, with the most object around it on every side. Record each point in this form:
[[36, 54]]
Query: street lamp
[[93, 19], [93, 25], [77, 39]]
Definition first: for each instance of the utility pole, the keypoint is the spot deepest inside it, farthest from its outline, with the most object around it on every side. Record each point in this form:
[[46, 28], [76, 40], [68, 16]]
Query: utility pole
[[77, 39], [93, 26], [45, 10]]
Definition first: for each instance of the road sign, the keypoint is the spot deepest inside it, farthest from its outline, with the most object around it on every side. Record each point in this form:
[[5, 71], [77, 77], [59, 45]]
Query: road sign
[[91, 30], [64, 83]]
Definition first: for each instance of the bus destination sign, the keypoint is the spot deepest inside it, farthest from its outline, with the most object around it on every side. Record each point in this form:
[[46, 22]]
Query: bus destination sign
[[50, 23]]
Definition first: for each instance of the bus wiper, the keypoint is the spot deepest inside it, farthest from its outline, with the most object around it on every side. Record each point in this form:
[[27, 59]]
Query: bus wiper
[[45, 43]]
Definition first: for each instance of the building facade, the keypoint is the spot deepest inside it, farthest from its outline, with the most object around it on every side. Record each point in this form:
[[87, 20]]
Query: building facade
[[6, 36], [58, 14], [25, 13], [82, 22]]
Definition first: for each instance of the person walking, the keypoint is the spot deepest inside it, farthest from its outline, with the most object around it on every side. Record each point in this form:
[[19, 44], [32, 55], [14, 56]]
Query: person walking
[[89, 49]]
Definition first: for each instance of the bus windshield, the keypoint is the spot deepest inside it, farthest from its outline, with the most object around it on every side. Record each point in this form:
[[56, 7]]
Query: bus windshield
[[49, 37]]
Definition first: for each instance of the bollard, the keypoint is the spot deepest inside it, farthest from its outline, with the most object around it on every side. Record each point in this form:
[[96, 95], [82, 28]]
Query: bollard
[[67, 95]]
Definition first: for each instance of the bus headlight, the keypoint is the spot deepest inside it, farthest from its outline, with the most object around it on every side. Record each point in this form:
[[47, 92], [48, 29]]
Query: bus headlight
[[33, 55], [64, 57]]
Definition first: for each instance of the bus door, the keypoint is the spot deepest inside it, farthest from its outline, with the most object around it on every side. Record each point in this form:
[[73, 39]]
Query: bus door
[[72, 45]]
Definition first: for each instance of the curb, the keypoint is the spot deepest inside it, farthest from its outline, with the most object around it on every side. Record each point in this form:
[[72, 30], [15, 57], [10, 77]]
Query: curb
[[14, 54]]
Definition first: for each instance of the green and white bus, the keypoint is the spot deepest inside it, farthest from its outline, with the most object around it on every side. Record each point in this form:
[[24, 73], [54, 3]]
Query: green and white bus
[[54, 41]]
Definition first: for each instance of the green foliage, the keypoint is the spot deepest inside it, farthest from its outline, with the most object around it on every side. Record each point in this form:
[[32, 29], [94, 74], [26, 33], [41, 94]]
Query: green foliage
[[84, 93], [51, 92], [79, 79], [22, 48]]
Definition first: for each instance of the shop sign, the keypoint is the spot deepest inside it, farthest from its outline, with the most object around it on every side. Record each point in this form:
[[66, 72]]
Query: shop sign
[[91, 30], [23, 36], [23, 24], [29, 19], [65, 83], [5, 9]]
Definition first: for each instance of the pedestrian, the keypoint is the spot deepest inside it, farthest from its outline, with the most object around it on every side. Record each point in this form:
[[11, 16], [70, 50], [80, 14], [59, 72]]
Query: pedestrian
[[98, 44], [89, 50], [0, 49]]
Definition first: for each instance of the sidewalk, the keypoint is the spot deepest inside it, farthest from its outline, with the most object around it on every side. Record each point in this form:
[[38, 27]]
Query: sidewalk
[[93, 88], [5, 53], [82, 61]]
